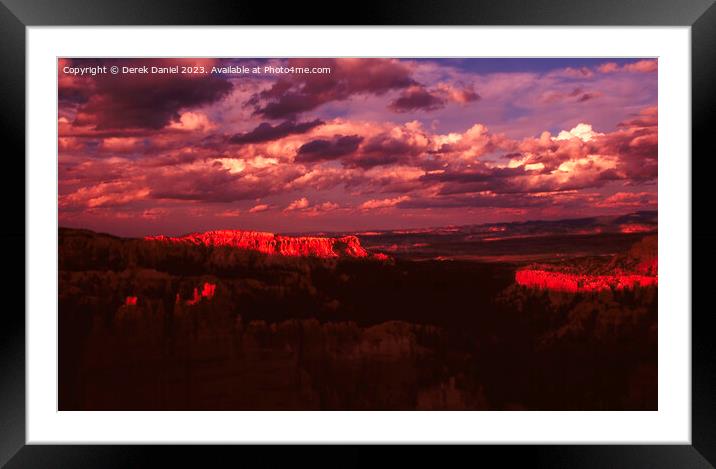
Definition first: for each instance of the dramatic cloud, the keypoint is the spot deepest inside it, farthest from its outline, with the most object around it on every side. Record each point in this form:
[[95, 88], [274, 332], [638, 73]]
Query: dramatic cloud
[[259, 208], [399, 144], [192, 121], [417, 97], [640, 66], [266, 132], [105, 194], [374, 143], [297, 93], [297, 204], [222, 181], [383, 203], [460, 94], [317, 150], [142, 101]]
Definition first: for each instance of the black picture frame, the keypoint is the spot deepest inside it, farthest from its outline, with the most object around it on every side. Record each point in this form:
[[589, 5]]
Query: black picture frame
[[16, 15]]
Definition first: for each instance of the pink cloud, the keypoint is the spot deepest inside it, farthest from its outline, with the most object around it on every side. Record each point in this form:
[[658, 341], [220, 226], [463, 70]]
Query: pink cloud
[[259, 208], [322, 208], [461, 94], [297, 204], [119, 144], [192, 121], [383, 203], [104, 194], [640, 66]]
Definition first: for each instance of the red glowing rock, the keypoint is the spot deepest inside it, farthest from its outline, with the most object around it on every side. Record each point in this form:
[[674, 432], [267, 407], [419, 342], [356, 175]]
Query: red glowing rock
[[269, 243], [636, 267], [558, 281], [131, 301], [207, 292]]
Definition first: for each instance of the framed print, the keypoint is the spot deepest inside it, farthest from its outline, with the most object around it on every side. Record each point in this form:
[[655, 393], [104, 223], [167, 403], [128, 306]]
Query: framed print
[[478, 231]]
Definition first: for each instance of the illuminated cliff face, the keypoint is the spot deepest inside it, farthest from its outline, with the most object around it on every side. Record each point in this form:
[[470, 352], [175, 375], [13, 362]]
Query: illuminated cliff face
[[206, 292], [639, 266], [272, 244], [547, 280]]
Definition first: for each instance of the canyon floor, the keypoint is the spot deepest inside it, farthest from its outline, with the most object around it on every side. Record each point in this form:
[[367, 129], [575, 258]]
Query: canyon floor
[[541, 316]]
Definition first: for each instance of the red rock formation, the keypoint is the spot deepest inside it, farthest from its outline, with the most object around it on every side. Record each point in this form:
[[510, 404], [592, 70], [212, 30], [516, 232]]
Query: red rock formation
[[635, 228], [131, 301], [207, 292], [269, 243], [638, 266], [566, 282]]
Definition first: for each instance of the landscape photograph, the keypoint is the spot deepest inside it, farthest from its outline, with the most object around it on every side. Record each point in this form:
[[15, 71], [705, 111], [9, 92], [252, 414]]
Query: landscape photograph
[[462, 234]]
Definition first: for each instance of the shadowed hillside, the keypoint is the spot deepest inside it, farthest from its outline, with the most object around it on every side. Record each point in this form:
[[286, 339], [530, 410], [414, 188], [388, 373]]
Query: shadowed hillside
[[155, 324]]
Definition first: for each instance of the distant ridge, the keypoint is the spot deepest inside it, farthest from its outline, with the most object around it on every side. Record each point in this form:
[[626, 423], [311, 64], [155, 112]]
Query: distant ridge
[[273, 244]]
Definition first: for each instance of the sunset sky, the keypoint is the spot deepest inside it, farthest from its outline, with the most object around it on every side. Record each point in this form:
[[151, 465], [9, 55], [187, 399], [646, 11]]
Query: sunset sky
[[375, 144]]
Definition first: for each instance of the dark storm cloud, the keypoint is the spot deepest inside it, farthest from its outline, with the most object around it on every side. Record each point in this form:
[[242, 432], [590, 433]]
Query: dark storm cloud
[[466, 176], [380, 151], [297, 93], [266, 132], [494, 180], [319, 150], [214, 186], [151, 101], [636, 143], [385, 149], [417, 98], [638, 153]]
